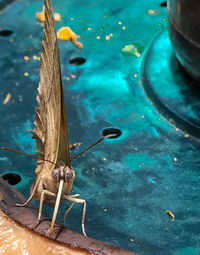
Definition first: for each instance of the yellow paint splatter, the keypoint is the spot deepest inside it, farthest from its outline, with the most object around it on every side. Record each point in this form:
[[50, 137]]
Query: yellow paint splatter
[[26, 74], [57, 17], [187, 135], [7, 98], [65, 33], [36, 57], [152, 12], [26, 58], [41, 16], [98, 37], [131, 239]]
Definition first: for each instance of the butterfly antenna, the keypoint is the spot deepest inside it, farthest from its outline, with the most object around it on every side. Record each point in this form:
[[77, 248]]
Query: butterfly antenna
[[28, 155], [98, 141]]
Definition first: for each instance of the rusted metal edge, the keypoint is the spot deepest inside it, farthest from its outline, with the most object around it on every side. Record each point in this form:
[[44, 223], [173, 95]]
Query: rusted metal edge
[[27, 216]]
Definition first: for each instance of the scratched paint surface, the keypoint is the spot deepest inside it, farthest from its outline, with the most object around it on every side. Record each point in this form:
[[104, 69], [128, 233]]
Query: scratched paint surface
[[129, 182]]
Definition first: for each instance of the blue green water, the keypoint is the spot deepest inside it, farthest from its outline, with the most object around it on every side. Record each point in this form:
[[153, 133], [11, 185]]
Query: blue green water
[[128, 182]]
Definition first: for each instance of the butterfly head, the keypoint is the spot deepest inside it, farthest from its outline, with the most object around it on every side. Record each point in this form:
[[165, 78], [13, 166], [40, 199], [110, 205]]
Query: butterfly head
[[63, 173]]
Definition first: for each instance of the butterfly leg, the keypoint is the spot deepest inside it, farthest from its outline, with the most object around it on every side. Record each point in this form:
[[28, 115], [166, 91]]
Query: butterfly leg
[[32, 194], [80, 201], [69, 209], [44, 192]]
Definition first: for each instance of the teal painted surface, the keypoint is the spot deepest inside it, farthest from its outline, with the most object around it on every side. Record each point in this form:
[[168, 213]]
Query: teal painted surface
[[128, 182]]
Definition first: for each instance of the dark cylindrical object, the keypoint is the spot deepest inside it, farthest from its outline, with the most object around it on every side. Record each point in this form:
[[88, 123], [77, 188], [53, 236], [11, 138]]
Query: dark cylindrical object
[[184, 29]]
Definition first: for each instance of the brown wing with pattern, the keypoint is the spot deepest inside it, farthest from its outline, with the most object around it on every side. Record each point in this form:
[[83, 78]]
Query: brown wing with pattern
[[50, 129]]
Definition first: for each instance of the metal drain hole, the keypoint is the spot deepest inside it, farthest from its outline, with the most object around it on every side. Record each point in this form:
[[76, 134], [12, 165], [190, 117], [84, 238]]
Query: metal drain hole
[[111, 131], [5, 32], [164, 4], [77, 61], [11, 178]]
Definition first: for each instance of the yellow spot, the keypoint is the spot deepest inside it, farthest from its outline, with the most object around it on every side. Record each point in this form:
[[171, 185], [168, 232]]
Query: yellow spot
[[123, 27], [89, 28], [11, 40], [105, 210], [30, 36], [154, 12], [98, 37], [111, 35], [26, 74], [20, 99], [26, 58], [68, 78], [143, 116], [7, 98], [137, 54], [40, 15], [65, 33], [104, 159], [73, 76], [187, 135], [107, 37], [57, 17], [105, 16], [135, 75], [36, 57], [131, 239], [119, 22], [71, 18]]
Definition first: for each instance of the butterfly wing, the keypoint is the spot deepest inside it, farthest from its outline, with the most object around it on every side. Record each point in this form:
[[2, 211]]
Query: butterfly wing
[[50, 130]]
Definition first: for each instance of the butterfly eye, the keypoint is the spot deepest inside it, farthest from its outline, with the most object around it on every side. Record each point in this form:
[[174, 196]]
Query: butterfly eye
[[68, 174], [55, 173]]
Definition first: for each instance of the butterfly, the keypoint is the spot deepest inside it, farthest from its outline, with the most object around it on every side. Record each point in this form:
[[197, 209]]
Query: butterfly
[[54, 173]]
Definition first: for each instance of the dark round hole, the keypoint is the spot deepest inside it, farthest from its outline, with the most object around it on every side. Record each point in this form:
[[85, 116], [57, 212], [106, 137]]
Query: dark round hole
[[77, 61], [111, 131], [11, 178], [163, 4], [5, 32]]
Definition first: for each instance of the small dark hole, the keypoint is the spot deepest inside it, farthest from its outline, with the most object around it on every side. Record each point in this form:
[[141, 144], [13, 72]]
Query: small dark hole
[[5, 32], [111, 131], [163, 4], [11, 178], [77, 61]]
